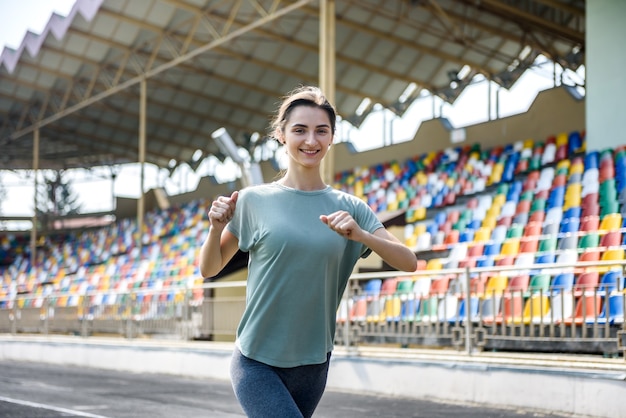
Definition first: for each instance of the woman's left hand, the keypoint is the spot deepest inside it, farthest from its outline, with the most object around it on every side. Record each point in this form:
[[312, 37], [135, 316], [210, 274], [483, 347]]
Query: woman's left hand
[[344, 224]]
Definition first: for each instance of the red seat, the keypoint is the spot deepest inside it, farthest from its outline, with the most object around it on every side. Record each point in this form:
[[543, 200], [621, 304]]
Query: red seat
[[537, 216], [523, 206], [589, 223], [592, 209], [591, 254], [517, 285], [589, 199], [476, 250], [588, 307], [440, 285], [586, 283], [529, 244], [508, 260], [505, 220], [611, 239], [533, 229]]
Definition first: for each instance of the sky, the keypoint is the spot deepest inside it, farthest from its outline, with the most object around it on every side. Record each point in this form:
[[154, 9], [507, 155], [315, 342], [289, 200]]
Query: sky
[[18, 16]]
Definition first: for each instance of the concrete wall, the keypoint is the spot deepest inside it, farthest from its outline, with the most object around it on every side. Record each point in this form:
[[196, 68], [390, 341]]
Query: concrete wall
[[547, 383]]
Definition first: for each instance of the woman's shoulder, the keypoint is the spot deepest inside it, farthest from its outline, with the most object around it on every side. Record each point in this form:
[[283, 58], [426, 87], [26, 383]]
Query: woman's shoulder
[[257, 190]]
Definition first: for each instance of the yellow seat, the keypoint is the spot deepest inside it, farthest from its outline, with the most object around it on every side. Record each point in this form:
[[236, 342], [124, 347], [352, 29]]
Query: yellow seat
[[434, 264], [611, 222], [496, 285], [536, 309], [611, 254], [510, 246], [489, 222]]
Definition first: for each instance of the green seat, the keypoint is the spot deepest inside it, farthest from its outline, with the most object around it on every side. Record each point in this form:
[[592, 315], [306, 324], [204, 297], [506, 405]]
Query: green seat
[[538, 204], [590, 240], [515, 231], [547, 244], [539, 283], [527, 195], [608, 207], [427, 309]]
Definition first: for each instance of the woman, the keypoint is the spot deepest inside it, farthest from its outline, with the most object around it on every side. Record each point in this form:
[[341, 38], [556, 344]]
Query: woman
[[303, 238]]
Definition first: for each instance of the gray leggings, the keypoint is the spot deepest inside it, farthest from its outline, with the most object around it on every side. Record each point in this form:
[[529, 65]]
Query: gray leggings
[[267, 391]]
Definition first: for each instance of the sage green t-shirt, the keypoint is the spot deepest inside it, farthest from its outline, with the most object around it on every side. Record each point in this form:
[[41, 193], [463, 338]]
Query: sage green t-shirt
[[297, 270]]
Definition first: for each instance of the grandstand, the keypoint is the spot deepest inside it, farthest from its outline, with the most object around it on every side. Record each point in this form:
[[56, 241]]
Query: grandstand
[[519, 229]]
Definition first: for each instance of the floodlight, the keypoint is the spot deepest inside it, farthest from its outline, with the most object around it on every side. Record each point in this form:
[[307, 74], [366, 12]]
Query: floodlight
[[226, 145]]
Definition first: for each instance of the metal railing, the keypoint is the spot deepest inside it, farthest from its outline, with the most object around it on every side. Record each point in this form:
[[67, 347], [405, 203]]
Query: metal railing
[[462, 315]]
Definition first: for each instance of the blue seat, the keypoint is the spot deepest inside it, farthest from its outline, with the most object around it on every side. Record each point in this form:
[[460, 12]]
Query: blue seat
[[556, 197], [485, 261], [574, 142], [612, 281], [462, 316], [492, 248], [467, 236], [592, 159], [615, 307], [569, 225], [546, 258], [563, 282], [573, 212]]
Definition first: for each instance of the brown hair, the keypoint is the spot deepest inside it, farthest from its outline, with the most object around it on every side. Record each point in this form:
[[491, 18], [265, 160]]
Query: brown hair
[[302, 96]]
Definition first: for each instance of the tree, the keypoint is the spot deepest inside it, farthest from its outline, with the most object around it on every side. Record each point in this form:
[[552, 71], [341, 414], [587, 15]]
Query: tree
[[55, 199]]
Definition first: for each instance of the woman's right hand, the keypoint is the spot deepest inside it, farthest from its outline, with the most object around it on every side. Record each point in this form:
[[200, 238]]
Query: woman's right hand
[[222, 210]]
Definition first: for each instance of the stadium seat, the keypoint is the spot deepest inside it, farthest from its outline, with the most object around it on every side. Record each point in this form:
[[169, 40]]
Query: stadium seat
[[510, 246], [512, 309], [589, 223], [508, 260], [536, 309], [490, 309], [462, 317], [561, 307], [562, 282], [447, 308], [569, 225], [532, 229], [568, 242], [588, 308], [496, 286], [610, 222], [547, 243], [439, 286], [517, 285], [612, 281], [539, 283], [611, 239], [612, 310], [612, 254], [529, 244], [589, 240], [586, 283]]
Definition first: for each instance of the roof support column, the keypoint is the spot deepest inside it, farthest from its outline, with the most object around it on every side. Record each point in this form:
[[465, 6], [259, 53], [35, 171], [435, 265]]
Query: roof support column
[[327, 73], [33, 230], [142, 159]]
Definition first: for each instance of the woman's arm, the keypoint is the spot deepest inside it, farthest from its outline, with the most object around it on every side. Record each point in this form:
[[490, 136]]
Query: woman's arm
[[390, 249], [220, 245], [383, 243]]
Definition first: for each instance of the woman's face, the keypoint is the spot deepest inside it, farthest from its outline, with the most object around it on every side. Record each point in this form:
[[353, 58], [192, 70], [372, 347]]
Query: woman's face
[[307, 134]]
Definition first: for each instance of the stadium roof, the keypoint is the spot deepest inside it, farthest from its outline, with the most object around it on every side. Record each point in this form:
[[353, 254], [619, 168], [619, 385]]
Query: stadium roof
[[210, 64]]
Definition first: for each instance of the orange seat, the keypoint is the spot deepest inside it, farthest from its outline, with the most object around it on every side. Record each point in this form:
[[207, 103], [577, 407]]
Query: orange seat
[[588, 308], [586, 282], [529, 244]]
